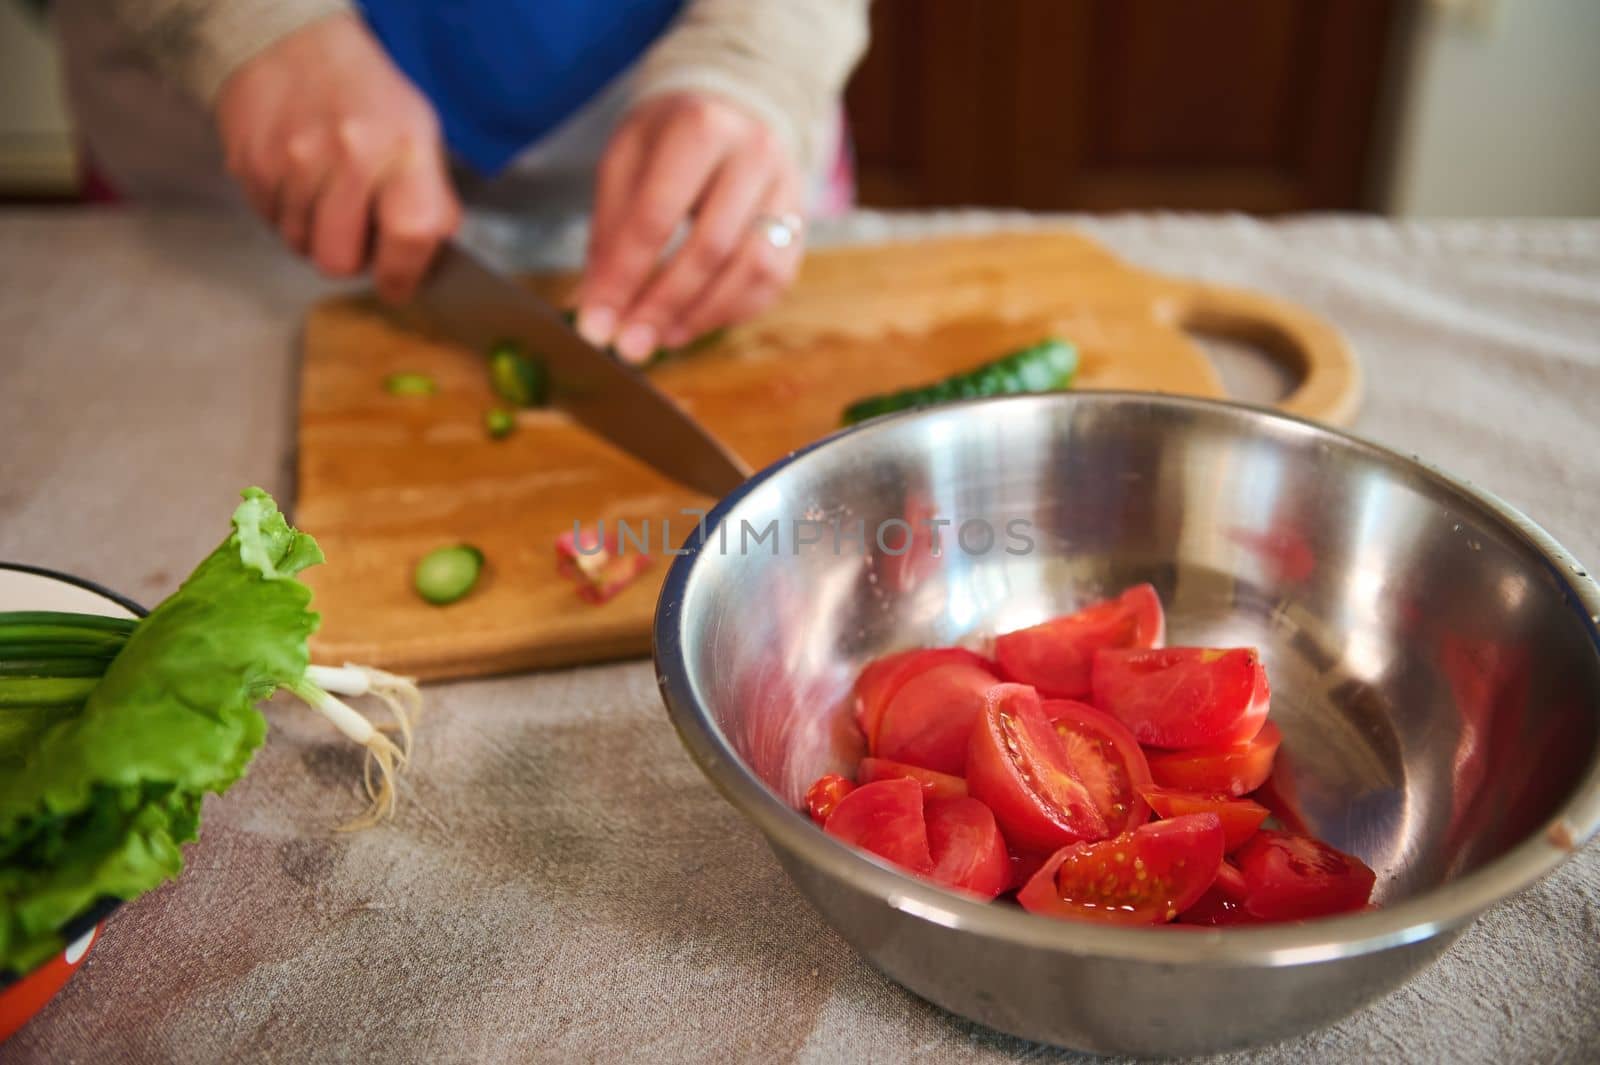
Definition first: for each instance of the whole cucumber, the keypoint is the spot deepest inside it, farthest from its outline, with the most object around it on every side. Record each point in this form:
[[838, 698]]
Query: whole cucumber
[[1043, 367]]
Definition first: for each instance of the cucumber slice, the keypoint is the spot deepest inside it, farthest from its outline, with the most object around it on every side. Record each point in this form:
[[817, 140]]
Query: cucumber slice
[[409, 384], [448, 573], [499, 422], [516, 378]]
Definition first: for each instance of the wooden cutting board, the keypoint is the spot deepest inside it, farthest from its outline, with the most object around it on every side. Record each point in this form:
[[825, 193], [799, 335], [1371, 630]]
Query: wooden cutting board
[[383, 479]]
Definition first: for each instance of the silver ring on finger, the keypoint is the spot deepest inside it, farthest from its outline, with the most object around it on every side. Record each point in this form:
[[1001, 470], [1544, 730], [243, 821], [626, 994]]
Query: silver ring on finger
[[779, 230]]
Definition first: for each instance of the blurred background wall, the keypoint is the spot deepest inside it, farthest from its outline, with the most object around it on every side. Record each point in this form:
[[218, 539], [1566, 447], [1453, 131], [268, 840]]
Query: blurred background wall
[[1502, 114], [36, 148], [1412, 107]]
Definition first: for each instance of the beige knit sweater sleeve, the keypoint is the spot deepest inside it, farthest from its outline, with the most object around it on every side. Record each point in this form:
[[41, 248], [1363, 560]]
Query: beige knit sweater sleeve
[[198, 43], [784, 59]]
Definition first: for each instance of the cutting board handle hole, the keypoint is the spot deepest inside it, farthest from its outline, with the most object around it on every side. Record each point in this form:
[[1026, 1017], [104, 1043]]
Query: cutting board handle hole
[[1251, 370]]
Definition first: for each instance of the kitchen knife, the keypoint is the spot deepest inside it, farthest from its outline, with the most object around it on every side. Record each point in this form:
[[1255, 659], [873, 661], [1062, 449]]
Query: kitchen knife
[[466, 301]]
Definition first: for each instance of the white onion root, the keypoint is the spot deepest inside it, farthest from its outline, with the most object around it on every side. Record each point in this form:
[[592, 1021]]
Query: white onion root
[[404, 700]]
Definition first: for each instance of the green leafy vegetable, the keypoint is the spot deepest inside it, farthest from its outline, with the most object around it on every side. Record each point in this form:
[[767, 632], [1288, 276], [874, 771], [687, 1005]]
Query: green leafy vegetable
[[99, 792]]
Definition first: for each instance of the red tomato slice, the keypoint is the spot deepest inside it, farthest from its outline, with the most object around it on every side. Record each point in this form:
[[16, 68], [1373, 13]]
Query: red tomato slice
[[968, 851], [1183, 696], [1231, 770], [1108, 760], [935, 785], [1147, 876], [930, 719], [1223, 902], [1292, 878], [882, 678], [885, 818], [1278, 794], [1240, 817], [824, 794], [1018, 766], [1056, 656]]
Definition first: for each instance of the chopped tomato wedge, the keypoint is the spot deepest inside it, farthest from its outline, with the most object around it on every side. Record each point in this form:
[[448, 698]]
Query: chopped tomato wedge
[[1183, 696], [1018, 766], [1231, 770], [882, 678], [1240, 817], [968, 851], [935, 785], [1108, 760], [601, 569], [1223, 902], [1056, 656], [824, 794], [929, 721], [1147, 876], [1293, 878], [1278, 794], [887, 819]]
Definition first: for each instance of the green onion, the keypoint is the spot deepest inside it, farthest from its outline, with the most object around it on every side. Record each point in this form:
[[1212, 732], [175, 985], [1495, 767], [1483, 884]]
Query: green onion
[[58, 666], [44, 691]]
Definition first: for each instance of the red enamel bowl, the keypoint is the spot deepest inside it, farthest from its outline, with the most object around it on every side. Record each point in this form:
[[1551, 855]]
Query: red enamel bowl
[[29, 588]]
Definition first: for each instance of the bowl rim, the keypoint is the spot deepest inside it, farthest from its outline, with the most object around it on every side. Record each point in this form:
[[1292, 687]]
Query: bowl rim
[[1415, 919], [102, 908]]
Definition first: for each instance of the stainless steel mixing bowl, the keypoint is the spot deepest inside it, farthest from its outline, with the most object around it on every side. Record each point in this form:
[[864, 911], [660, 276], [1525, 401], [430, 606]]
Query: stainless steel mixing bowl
[[1434, 658]]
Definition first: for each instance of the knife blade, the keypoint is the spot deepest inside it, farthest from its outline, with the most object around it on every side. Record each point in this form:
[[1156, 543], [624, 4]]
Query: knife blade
[[472, 304]]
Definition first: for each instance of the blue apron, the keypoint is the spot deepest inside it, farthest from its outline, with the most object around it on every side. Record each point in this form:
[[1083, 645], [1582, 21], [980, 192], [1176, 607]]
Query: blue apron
[[502, 73]]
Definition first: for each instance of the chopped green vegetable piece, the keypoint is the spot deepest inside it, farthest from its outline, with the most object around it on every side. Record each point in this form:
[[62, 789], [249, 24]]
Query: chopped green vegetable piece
[[515, 378], [409, 384], [446, 574], [500, 422], [1045, 367]]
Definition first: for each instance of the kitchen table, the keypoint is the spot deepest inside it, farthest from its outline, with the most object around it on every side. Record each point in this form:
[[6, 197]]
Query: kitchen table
[[561, 883]]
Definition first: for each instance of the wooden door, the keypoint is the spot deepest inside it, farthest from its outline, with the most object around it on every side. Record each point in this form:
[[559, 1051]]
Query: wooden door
[[1254, 105]]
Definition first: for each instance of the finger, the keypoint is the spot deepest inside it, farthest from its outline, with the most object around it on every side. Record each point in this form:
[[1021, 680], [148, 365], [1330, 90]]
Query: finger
[[252, 164], [619, 167], [750, 282], [307, 169], [416, 209], [341, 219], [722, 222], [670, 179]]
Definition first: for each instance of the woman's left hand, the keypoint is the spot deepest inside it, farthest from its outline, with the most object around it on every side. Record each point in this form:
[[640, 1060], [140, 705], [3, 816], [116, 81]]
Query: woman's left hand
[[676, 158]]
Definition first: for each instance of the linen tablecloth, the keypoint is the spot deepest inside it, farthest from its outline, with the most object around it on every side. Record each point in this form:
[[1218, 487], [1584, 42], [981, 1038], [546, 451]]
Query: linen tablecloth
[[562, 884]]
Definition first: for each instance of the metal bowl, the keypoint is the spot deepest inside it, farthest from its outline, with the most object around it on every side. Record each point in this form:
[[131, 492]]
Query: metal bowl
[[1434, 657]]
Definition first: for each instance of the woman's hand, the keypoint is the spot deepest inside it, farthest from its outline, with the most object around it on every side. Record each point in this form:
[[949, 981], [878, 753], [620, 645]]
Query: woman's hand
[[677, 158], [338, 151]]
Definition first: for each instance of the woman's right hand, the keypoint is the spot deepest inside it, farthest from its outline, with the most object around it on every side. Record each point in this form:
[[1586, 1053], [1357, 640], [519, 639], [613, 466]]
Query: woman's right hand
[[341, 154]]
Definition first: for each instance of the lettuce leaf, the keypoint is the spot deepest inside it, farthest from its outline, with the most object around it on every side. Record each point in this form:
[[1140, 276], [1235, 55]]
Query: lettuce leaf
[[105, 798]]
